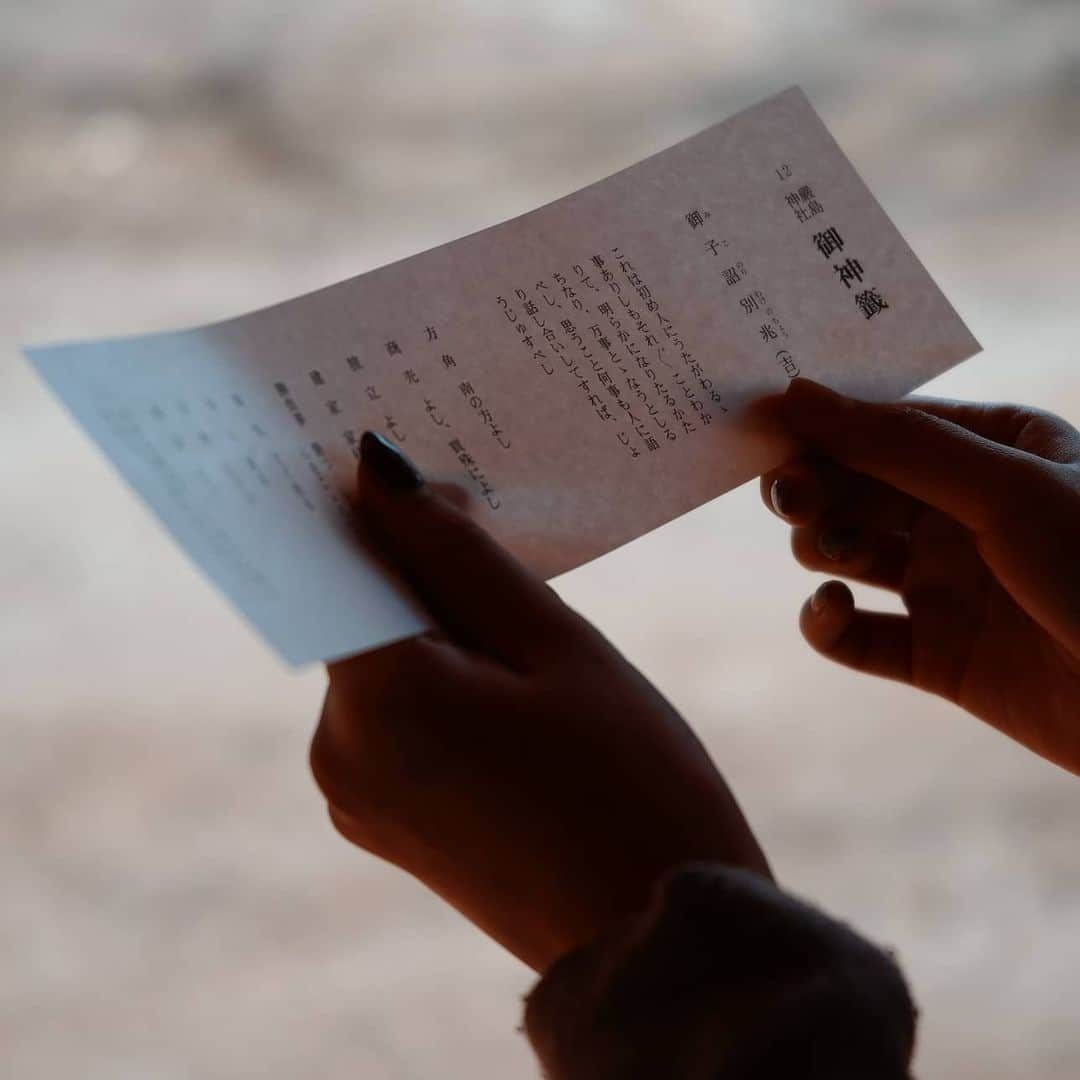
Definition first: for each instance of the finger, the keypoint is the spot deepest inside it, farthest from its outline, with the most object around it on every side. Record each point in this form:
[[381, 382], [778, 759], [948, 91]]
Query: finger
[[406, 690], [945, 465], [808, 489], [478, 592], [392, 683], [430, 656], [871, 642], [795, 491], [859, 554], [366, 833], [1032, 430]]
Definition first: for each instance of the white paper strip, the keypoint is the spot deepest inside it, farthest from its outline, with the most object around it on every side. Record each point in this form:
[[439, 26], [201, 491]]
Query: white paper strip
[[578, 370]]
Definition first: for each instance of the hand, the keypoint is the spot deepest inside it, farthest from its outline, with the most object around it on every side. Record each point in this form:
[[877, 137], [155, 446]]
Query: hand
[[514, 762], [972, 514]]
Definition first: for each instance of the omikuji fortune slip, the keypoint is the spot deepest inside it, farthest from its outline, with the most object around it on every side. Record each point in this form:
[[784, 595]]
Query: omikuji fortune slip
[[579, 371]]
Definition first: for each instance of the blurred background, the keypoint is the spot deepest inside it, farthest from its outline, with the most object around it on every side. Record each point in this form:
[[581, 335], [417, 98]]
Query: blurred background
[[173, 901]]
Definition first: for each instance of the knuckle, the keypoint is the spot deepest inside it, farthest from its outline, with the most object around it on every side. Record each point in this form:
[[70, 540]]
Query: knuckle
[[361, 830], [325, 763], [354, 793], [341, 757], [1043, 419], [907, 416], [1052, 438]]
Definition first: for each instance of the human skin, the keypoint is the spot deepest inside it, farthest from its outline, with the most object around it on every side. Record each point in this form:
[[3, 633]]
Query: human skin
[[513, 760], [521, 768], [971, 514]]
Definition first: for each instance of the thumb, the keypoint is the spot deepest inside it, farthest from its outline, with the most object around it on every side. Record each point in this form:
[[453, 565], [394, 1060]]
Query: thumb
[[941, 463]]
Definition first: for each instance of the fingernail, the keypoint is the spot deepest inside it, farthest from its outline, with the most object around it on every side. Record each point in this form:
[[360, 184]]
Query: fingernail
[[784, 495], [392, 470], [817, 600], [838, 543]]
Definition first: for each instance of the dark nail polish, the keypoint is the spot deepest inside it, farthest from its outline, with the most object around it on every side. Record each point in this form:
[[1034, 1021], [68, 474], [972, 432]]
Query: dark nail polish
[[839, 543], [784, 495], [392, 470]]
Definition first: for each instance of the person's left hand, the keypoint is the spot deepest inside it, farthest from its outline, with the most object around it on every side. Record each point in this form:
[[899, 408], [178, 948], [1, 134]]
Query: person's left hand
[[514, 762]]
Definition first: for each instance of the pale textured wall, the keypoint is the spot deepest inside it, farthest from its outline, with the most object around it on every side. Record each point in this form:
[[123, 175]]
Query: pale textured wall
[[172, 902]]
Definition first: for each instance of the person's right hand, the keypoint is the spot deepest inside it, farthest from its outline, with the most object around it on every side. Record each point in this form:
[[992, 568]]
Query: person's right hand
[[972, 514]]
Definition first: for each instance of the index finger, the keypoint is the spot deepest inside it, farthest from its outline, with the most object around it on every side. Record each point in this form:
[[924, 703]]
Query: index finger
[[477, 591], [963, 474], [1035, 431]]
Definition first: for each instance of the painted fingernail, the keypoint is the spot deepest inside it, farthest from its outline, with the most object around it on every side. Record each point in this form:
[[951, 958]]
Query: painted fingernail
[[784, 496], [392, 470], [839, 543], [817, 599]]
